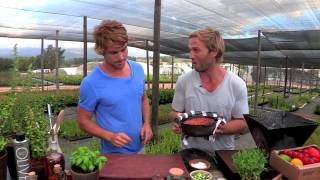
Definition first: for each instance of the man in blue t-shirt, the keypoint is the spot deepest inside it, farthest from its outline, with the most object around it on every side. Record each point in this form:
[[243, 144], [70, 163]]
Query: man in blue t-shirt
[[114, 93]]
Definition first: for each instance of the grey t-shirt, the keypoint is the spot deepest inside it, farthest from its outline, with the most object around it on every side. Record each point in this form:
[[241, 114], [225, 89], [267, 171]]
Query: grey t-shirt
[[229, 98]]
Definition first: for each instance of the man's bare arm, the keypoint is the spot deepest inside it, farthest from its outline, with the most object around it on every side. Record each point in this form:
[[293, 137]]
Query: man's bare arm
[[85, 123]]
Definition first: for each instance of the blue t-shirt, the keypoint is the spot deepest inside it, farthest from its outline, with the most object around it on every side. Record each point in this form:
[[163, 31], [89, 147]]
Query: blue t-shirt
[[116, 104]]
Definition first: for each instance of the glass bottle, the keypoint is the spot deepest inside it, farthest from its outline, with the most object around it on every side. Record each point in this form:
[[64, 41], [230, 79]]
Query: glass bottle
[[53, 157], [22, 155]]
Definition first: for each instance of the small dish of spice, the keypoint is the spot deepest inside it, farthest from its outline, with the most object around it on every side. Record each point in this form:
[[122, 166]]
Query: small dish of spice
[[200, 164]]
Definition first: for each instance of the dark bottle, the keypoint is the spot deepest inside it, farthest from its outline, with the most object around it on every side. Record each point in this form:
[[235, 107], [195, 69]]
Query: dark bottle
[[53, 157], [22, 156]]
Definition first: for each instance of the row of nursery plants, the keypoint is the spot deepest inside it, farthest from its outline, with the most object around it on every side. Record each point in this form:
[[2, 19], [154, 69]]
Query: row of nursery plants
[[288, 104], [70, 130], [63, 98], [76, 79]]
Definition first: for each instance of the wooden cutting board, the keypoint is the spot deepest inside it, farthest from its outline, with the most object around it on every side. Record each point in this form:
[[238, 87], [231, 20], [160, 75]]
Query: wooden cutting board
[[140, 166]]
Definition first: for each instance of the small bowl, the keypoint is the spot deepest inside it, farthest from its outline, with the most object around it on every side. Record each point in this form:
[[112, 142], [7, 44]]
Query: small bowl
[[199, 164], [206, 174]]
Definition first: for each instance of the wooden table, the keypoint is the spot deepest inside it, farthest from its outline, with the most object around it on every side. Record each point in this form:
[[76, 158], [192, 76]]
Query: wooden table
[[140, 166]]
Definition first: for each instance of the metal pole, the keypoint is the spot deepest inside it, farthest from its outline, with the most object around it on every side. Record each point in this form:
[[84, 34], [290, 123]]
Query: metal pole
[[290, 81], [301, 79], [264, 81], [42, 64], [172, 72], [85, 49], [285, 77], [258, 72], [57, 60], [156, 59]]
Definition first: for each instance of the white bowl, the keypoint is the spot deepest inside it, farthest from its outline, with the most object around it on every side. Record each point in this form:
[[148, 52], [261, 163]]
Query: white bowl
[[205, 175], [199, 164]]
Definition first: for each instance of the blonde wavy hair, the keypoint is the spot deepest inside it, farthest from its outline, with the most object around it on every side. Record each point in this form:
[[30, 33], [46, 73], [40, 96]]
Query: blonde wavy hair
[[212, 40], [109, 31]]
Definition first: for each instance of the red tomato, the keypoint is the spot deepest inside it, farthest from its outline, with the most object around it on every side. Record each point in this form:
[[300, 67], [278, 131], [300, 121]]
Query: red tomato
[[306, 160], [290, 153], [314, 152], [300, 156]]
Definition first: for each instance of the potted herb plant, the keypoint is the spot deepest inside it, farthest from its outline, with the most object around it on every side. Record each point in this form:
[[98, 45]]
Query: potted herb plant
[[250, 163], [3, 158], [86, 163]]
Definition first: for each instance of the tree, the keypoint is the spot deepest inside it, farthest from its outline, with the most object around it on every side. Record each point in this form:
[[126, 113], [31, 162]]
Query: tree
[[50, 57], [5, 64]]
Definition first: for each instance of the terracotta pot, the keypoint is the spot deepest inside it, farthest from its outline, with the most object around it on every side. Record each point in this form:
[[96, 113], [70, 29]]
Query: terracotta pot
[[84, 176], [3, 165]]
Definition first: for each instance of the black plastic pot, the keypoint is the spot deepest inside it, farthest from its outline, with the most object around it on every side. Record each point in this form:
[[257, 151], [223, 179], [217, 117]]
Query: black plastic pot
[[3, 165], [11, 161]]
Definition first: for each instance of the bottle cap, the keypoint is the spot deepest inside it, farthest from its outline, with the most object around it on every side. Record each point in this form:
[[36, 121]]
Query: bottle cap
[[20, 136]]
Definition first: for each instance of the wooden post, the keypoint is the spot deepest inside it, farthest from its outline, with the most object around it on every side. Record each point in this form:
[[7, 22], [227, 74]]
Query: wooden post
[[285, 77], [57, 60], [156, 59], [85, 49], [147, 54], [258, 72], [42, 64], [301, 79], [172, 71]]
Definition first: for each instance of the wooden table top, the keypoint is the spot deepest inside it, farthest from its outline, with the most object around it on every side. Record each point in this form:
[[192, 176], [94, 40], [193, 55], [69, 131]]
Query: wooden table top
[[140, 166]]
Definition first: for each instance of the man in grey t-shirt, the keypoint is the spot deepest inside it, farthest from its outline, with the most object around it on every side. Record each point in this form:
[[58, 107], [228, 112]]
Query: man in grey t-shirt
[[210, 88]]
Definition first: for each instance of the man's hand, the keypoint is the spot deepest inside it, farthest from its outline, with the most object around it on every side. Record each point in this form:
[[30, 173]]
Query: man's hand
[[176, 128], [146, 133], [120, 139]]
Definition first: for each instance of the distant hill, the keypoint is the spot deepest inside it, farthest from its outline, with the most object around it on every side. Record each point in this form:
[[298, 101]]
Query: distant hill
[[69, 52]]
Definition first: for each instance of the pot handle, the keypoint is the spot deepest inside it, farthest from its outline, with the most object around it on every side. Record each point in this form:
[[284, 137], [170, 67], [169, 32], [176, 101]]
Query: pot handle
[[220, 120]]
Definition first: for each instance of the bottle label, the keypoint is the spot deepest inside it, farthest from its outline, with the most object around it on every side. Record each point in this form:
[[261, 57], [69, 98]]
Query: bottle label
[[22, 161]]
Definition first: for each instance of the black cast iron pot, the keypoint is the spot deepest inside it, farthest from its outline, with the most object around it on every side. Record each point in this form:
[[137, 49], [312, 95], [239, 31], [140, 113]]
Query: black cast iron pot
[[190, 128]]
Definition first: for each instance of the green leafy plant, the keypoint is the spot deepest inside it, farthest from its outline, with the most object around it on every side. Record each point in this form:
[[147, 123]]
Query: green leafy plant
[[167, 143], [69, 128], [37, 133], [3, 143], [86, 159], [250, 163]]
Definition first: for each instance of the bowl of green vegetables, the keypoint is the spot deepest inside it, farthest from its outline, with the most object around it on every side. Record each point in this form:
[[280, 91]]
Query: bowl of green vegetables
[[200, 175]]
